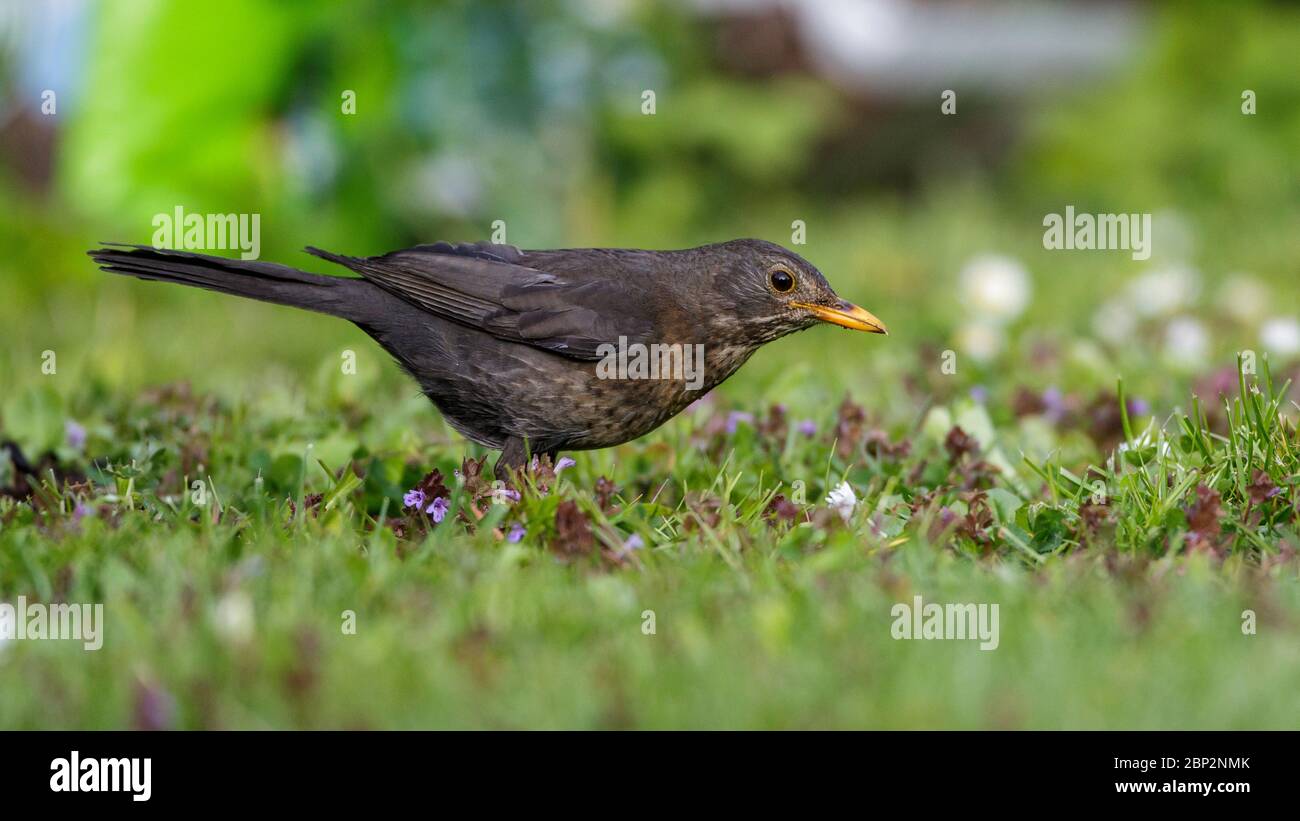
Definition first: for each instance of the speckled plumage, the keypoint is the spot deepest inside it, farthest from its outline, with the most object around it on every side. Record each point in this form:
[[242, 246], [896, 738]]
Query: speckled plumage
[[506, 342]]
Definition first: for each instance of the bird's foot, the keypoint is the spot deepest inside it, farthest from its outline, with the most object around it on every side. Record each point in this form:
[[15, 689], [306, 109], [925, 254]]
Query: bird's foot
[[514, 456]]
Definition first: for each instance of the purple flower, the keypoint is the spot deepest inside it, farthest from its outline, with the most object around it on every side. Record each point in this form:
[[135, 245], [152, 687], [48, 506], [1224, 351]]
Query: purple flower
[[1138, 407], [75, 434], [413, 498], [736, 417], [565, 462], [516, 534], [808, 428], [1053, 404], [980, 394], [634, 542], [501, 494], [437, 509], [155, 708], [81, 511]]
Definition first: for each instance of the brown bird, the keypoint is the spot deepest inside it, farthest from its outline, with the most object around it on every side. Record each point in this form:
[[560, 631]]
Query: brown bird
[[534, 352]]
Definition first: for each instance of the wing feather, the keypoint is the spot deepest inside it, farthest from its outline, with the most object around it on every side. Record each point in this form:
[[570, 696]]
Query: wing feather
[[492, 288]]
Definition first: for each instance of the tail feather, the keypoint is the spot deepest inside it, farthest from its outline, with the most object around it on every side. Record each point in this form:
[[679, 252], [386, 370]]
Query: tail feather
[[266, 281]]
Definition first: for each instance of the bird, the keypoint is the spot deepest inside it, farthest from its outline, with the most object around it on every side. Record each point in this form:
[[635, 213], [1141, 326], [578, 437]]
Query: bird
[[537, 352]]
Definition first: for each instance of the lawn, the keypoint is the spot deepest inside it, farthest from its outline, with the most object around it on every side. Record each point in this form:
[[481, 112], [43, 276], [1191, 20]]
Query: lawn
[[258, 569]]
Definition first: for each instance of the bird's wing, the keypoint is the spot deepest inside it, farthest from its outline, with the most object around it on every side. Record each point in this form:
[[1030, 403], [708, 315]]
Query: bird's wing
[[490, 287]]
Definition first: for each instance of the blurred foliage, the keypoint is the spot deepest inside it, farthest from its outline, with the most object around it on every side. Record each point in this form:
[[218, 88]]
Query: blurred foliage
[[1171, 134]]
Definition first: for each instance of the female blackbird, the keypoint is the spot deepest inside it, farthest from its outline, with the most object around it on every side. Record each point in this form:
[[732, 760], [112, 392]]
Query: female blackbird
[[539, 351]]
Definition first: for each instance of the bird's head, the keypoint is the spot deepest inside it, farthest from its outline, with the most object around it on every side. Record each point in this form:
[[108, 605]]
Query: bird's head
[[768, 292]]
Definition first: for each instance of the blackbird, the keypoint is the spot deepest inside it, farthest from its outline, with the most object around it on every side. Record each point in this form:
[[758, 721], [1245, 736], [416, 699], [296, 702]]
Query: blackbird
[[533, 352]]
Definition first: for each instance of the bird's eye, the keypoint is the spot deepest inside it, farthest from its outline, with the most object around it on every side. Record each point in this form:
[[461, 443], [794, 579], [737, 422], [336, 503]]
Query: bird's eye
[[782, 280]]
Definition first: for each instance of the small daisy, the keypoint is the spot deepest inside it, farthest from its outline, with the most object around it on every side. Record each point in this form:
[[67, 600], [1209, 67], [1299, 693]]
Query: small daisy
[[843, 501], [1186, 342], [1281, 335], [995, 286]]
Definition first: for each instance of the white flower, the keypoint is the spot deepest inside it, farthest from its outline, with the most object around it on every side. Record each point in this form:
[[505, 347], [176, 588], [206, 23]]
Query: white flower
[[1281, 335], [1243, 297], [843, 501], [995, 287], [1114, 322], [980, 341], [1143, 441], [1186, 341], [233, 617], [1163, 291]]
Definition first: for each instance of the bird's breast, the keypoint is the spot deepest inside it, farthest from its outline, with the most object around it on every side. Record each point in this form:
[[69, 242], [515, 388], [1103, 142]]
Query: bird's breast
[[628, 398]]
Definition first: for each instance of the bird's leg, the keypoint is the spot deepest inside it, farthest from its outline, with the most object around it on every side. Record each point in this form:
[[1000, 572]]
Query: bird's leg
[[513, 456]]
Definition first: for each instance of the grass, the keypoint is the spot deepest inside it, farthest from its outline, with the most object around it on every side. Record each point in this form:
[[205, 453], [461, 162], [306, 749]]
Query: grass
[[236, 543]]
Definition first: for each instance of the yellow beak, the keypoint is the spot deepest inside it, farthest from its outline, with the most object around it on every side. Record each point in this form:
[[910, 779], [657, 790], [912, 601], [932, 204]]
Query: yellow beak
[[846, 315]]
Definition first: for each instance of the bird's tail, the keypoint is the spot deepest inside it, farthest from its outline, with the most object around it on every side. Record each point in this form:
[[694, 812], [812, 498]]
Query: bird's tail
[[265, 281]]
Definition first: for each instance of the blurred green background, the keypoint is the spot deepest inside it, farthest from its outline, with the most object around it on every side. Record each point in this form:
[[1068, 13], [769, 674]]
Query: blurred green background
[[765, 113]]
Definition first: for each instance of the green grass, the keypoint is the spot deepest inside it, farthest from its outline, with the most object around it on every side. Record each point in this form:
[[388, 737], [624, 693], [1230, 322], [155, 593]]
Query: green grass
[[1121, 583]]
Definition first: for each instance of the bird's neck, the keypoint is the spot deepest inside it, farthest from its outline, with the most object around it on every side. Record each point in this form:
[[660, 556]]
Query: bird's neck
[[723, 359]]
